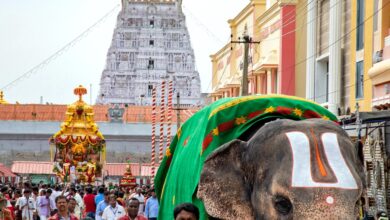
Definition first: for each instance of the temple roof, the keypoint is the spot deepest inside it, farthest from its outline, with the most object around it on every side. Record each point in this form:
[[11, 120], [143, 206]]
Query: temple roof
[[113, 169], [37, 112]]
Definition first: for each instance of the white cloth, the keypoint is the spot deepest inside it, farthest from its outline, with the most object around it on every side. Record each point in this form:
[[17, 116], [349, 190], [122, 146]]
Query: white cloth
[[79, 206], [40, 190], [53, 197], [79, 201], [27, 206], [77, 212], [41, 217], [141, 200], [110, 213]]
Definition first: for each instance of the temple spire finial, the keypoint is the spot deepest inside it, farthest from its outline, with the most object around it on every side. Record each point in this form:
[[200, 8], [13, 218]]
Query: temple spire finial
[[2, 101], [180, 5], [80, 91]]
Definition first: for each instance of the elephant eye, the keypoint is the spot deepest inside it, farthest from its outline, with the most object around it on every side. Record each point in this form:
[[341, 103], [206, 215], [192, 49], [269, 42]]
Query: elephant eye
[[282, 205]]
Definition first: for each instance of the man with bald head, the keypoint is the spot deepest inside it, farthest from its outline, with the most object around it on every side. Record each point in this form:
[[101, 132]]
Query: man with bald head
[[140, 197]]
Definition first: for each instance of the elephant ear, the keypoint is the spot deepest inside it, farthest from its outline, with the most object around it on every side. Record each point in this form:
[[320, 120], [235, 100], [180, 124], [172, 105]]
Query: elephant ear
[[223, 186]]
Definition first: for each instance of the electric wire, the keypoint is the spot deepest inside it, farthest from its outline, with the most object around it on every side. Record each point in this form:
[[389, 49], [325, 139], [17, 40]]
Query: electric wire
[[341, 38], [59, 52]]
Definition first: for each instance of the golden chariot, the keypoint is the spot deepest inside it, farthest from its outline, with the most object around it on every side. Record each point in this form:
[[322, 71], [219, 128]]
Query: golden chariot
[[78, 150]]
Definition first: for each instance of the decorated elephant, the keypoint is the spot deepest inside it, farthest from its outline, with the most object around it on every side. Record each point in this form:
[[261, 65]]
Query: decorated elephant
[[262, 157], [287, 170]]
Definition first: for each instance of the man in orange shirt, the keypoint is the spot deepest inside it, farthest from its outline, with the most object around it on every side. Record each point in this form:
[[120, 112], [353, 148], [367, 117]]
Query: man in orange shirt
[[63, 210], [132, 210]]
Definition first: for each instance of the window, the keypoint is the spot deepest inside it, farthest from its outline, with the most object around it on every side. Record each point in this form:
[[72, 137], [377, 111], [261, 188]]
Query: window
[[360, 25], [323, 27], [151, 43], [151, 64], [387, 88], [321, 84], [359, 79], [327, 81], [132, 60], [150, 89], [151, 23], [275, 81]]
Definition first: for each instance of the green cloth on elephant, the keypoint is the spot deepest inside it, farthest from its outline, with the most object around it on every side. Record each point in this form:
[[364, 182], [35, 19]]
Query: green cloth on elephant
[[211, 127]]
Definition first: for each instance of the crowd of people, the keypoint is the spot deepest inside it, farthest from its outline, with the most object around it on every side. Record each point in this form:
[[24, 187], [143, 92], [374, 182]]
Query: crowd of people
[[26, 201]]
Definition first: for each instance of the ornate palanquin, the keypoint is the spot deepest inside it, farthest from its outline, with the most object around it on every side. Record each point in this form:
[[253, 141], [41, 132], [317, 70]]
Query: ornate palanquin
[[78, 150], [128, 180]]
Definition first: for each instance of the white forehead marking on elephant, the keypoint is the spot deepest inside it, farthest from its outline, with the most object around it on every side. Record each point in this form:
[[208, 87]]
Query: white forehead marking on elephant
[[301, 172], [330, 200]]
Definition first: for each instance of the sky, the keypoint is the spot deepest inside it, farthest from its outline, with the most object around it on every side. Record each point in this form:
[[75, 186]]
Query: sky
[[32, 31]]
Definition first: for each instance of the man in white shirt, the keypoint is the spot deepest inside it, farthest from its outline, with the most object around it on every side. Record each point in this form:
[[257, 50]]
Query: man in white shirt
[[80, 203], [114, 211], [138, 195], [27, 205], [54, 194]]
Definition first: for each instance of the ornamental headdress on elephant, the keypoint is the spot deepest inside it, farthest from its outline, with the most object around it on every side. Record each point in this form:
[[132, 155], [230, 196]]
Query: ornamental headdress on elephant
[[211, 127]]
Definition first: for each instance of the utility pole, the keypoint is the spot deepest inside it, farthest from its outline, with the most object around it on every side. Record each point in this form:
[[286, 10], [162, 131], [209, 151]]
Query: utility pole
[[244, 82], [358, 121], [178, 109], [246, 40]]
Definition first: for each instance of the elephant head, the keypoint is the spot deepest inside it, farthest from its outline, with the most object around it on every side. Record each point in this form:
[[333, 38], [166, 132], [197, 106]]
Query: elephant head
[[287, 170]]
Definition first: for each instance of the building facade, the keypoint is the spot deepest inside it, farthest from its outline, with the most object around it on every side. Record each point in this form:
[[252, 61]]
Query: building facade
[[370, 91], [150, 44], [379, 71], [328, 54], [272, 67], [227, 63]]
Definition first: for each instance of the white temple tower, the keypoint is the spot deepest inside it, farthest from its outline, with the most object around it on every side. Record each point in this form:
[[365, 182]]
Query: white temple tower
[[150, 44]]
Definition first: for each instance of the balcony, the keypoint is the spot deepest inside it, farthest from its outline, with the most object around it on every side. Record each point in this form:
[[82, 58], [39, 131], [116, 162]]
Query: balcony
[[380, 76]]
